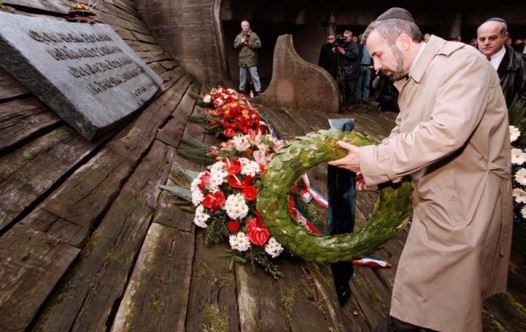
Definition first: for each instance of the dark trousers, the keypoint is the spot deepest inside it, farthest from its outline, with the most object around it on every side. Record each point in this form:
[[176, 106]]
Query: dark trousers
[[349, 93], [391, 324]]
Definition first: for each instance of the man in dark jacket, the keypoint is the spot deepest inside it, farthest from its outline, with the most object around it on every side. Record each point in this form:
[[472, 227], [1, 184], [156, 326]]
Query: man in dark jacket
[[351, 68], [328, 59], [510, 65], [247, 42]]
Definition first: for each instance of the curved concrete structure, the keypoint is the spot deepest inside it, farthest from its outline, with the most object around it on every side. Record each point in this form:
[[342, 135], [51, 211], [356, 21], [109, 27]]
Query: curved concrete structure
[[299, 84]]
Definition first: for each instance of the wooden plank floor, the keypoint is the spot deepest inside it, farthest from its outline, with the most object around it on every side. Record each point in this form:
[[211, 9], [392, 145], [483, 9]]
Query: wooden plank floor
[[88, 241]]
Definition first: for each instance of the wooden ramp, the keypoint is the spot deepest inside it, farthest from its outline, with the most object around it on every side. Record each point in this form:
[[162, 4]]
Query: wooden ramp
[[88, 241]]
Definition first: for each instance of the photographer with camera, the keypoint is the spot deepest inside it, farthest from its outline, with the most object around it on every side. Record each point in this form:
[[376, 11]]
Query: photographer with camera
[[348, 67], [247, 42]]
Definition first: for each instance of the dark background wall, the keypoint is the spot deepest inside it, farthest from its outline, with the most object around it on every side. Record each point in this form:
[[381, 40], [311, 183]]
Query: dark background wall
[[200, 33]]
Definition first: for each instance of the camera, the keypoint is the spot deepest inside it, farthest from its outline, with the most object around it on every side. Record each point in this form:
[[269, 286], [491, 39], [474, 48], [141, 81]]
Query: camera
[[340, 40]]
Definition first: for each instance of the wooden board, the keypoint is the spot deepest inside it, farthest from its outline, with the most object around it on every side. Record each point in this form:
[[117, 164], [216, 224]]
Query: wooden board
[[94, 286], [92, 187], [172, 132], [28, 173], [259, 301], [157, 294], [31, 263], [212, 300], [9, 87], [22, 119]]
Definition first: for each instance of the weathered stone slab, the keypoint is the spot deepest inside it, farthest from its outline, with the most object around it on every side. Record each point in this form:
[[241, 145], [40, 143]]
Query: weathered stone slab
[[299, 84], [56, 6], [85, 73]]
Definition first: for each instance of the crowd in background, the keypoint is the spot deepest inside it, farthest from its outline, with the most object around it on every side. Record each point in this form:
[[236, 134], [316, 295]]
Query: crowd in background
[[347, 59]]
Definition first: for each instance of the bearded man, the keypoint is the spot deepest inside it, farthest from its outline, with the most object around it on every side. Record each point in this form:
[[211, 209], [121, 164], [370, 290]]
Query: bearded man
[[452, 138]]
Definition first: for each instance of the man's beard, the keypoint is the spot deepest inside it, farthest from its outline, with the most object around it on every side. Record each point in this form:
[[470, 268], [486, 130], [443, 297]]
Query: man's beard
[[398, 73]]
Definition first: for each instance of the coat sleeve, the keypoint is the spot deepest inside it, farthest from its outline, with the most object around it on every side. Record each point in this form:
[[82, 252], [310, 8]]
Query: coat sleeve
[[395, 131], [237, 41], [458, 109], [255, 43], [351, 51]]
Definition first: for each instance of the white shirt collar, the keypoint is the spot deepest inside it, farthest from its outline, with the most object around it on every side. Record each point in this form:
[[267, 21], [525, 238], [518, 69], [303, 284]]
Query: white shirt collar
[[417, 56], [496, 58]]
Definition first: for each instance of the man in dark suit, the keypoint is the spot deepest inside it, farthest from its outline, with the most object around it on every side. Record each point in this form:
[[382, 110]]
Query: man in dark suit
[[349, 54], [510, 65], [328, 59]]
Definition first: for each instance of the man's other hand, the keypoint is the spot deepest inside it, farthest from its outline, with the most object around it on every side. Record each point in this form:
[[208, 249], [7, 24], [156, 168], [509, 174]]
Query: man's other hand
[[350, 161]]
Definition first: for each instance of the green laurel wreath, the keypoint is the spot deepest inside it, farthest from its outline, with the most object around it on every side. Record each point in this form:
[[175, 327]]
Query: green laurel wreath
[[301, 154]]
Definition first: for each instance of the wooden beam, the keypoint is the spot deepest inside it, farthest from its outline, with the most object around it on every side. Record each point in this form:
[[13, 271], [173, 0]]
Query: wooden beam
[[156, 297], [27, 278]]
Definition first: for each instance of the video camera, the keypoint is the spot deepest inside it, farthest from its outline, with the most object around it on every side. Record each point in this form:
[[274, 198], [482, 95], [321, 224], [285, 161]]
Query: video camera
[[340, 40], [246, 36]]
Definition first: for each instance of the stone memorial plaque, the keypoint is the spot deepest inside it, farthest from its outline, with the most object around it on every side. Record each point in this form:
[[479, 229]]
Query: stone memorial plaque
[[85, 73]]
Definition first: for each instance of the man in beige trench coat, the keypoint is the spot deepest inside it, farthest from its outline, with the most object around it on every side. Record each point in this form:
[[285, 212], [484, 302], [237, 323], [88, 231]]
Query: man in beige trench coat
[[452, 137]]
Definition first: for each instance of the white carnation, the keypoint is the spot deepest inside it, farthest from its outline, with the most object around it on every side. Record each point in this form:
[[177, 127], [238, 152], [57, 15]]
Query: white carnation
[[241, 142], [218, 174], [219, 102], [236, 207], [218, 167], [518, 157], [201, 217], [249, 167], [514, 133], [520, 176], [195, 183], [207, 99], [239, 242], [273, 248], [520, 195], [197, 197]]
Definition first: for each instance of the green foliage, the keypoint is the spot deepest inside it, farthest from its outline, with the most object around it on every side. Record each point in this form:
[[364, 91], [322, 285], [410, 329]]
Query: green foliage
[[517, 115], [181, 192], [196, 151], [232, 258], [216, 232], [264, 260], [300, 155]]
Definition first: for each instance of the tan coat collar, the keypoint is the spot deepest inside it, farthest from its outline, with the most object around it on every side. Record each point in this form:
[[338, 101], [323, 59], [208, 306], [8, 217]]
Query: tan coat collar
[[435, 45]]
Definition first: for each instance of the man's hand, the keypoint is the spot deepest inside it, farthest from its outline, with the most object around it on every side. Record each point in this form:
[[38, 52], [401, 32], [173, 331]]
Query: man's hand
[[340, 49], [360, 182], [352, 163]]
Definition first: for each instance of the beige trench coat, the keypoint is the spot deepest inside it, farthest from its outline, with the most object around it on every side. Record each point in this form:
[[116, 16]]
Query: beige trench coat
[[452, 137]]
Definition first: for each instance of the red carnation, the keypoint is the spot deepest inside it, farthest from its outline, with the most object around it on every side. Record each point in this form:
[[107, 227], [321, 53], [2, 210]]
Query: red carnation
[[250, 193], [233, 226], [214, 201], [234, 167], [247, 181], [257, 232], [229, 133], [205, 179], [235, 183]]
